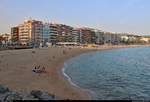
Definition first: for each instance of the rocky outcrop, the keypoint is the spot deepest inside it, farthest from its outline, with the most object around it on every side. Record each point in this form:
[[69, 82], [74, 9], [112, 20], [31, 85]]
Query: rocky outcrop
[[3, 89], [8, 95]]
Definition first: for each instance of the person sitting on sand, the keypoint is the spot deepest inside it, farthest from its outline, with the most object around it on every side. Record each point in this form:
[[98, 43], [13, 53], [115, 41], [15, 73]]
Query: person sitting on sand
[[38, 70], [38, 67]]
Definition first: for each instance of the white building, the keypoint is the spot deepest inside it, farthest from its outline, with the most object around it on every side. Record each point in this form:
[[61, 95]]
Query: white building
[[124, 38]]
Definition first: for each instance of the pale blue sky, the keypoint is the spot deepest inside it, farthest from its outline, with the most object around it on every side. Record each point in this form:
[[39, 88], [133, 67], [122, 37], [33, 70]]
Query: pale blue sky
[[132, 16]]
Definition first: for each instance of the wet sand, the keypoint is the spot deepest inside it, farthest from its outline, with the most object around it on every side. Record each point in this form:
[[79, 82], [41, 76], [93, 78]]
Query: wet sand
[[16, 70]]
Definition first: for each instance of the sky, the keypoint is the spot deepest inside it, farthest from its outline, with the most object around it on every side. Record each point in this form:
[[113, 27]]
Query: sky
[[128, 16]]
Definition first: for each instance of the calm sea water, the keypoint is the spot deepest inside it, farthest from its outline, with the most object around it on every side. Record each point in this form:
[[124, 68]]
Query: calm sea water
[[117, 74]]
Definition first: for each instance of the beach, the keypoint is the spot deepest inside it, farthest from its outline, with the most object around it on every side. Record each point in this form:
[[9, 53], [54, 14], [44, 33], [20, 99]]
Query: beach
[[16, 70]]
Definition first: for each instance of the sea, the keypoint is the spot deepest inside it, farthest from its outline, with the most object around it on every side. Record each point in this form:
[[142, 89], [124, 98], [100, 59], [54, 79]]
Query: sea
[[118, 74]]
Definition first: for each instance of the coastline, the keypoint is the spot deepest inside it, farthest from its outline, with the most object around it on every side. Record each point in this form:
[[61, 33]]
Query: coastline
[[104, 48], [18, 75], [68, 78]]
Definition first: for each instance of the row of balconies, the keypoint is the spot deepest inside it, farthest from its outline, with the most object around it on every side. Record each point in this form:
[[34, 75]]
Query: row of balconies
[[24, 39], [23, 36]]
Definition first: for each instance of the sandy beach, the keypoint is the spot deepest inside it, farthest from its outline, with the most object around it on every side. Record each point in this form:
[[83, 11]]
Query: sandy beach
[[16, 70]]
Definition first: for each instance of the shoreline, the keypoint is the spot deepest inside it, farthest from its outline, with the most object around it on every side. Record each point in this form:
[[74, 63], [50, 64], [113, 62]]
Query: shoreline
[[81, 93], [68, 78], [17, 74], [89, 92]]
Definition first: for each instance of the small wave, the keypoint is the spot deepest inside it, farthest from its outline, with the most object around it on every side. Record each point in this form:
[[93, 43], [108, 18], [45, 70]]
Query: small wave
[[68, 78], [90, 93]]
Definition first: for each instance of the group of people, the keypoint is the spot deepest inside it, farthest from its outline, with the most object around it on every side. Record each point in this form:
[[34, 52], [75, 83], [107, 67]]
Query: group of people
[[38, 69]]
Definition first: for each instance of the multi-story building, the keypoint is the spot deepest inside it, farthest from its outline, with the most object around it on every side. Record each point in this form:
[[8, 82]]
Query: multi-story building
[[61, 33], [53, 33], [36, 32], [15, 34], [132, 38], [107, 38], [129, 38], [31, 32], [87, 35], [100, 37], [46, 33], [65, 32], [76, 35], [115, 39]]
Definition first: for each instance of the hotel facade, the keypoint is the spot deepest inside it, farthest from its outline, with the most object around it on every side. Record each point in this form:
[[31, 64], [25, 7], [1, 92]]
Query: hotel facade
[[31, 32], [86, 35], [60, 33]]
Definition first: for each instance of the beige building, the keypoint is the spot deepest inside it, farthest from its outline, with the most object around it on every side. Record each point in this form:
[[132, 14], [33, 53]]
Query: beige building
[[107, 38], [31, 32], [145, 39]]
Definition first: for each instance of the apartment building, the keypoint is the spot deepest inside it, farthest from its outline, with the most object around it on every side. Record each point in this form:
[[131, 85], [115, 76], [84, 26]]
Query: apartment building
[[65, 32], [46, 32], [61, 33], [35, 32], [76, 35], [107, 38], [31, 32], [115, 39], [87, 35], [100, 37], [53, 33], [15, 34]]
